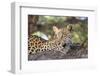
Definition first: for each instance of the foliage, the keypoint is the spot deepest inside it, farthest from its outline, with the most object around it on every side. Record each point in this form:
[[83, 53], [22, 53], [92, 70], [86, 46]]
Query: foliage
[[80, 26]]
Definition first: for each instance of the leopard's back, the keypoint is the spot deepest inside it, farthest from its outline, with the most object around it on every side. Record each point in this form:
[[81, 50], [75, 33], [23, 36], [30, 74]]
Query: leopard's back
[[35, 44]]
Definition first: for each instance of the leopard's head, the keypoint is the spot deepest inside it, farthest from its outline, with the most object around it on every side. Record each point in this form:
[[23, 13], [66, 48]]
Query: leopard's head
[[63, 32]]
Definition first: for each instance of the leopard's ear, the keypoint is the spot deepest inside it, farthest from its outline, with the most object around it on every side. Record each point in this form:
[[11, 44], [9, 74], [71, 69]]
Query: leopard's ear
[[55, 29], [69, 27]]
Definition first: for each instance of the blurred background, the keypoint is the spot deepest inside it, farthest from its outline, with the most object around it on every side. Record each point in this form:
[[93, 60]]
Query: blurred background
[[42, 26]]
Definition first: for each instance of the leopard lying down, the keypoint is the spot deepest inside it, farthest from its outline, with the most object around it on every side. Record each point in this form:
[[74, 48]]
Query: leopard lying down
[[61, 38]]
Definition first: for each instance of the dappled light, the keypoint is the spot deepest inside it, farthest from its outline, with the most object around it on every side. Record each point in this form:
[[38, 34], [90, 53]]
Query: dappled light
[[75, 47]]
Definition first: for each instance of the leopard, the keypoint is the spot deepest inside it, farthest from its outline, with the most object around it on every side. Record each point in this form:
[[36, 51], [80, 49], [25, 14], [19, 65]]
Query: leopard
[[62, 37]]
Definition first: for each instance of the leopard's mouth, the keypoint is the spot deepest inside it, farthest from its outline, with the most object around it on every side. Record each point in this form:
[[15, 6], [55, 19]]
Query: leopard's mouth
[[64, 45], [67, 45]]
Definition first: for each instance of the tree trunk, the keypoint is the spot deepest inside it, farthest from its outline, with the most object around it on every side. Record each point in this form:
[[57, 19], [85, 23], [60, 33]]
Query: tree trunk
[[32, 24]]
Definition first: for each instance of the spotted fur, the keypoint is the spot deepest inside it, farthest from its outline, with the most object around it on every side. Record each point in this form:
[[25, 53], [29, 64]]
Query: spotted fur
[[57, 43]]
